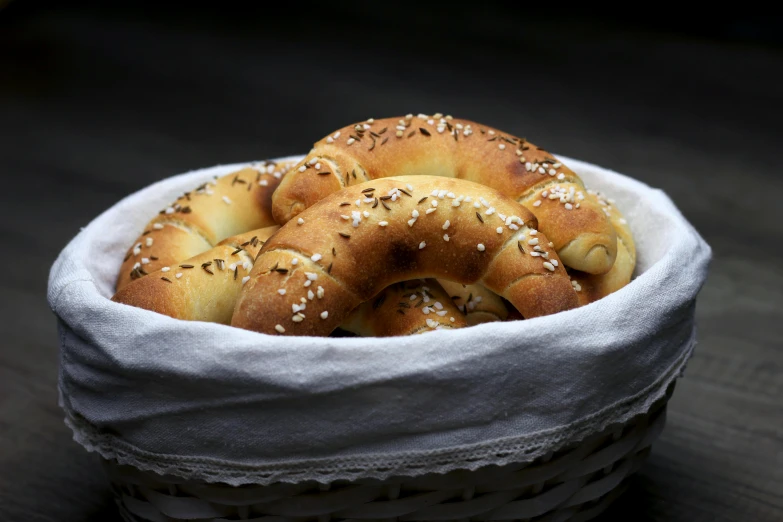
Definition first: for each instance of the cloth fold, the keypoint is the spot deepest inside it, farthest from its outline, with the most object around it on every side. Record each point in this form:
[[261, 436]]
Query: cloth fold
[[215, 403]]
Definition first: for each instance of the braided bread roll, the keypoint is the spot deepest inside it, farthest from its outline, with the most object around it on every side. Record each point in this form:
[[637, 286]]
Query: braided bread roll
[[438, 146], [204, 287], [352, 244], [591, 287], [475, 302], [405, 308], [199, 219]]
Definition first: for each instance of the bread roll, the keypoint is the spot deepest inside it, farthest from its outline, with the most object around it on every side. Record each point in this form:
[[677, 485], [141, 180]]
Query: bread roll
[[438, 146], [352, 244], [591, 287], [204, 287], [405, 308], [478, 304], [199, 219]]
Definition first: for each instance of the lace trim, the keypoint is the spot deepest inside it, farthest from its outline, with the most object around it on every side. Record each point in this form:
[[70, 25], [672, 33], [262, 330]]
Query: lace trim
[[522, 449]]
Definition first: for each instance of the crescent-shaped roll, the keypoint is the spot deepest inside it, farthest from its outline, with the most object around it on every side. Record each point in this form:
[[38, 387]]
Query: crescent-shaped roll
[[478, 304], [444, 146], [405, 308], [204, 287], [352, 244], [220, 208], [592, 287]]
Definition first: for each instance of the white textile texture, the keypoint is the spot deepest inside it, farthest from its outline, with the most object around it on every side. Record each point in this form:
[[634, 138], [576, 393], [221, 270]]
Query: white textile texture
[[210, 402]]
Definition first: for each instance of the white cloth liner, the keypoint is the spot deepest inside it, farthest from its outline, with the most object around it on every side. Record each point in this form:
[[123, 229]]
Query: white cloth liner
[[215, 403]]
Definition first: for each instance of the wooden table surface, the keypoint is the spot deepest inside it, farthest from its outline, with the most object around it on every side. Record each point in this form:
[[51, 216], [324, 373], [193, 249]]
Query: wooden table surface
[[95, 104]]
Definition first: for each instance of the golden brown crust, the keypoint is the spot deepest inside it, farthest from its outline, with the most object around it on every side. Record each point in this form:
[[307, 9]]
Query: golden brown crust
[[366, 237], [204, 287], [437, 146], [590, 287], [478, 304], [199, 219], [405, 308]]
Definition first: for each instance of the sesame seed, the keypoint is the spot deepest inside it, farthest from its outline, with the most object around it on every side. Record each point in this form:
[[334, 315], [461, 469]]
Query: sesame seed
[[281, 291], [533, 232], [295, 261], [263, 183], [247, 265], [165, 269], [490, 211], [441, 313], [438, 305], [329, 140], [300, 221], [549, 266], [492, 132], [336, 135], [302, 168], [537, 203], [324, 314], [434, 203], [560, 176], [415, 213], [383, 223], [226, 200], [307, 283], [499, 230], [541, 170], [502, 146], [431, 323], [533, 241], [442, 194], [245, 279], [569, 206], [409, 187], [316, 257], [366, 214], [317, 166], [422, 245], [279, 328], [480, 247], [425, 310], [446, 224], [553, 261], [430, 210], [157, 226], [347, 218], [320, 292], [179, 274], [411, 222], [350, 141], [145, 260]]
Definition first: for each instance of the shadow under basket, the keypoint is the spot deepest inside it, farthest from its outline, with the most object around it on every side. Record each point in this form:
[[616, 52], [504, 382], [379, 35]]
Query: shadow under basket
[[575, 483]]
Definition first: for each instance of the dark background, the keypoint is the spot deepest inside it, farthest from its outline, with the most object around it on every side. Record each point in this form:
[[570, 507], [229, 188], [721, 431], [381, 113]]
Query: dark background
[[100, 99]]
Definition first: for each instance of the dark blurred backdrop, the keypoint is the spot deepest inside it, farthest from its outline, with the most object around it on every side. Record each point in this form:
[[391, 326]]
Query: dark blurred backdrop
[[98, 99]]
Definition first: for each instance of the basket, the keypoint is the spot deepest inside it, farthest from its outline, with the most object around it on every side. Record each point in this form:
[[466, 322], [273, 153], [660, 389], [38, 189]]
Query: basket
[[574, 484], [539, 462]]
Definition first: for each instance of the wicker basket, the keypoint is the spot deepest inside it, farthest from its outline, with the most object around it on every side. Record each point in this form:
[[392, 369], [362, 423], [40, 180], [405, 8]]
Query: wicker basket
[[575, 483]]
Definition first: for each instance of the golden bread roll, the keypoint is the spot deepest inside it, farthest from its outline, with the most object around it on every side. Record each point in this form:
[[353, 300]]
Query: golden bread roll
[[591, 287], [350, 245], [405, 308], [204, 287], [443, 146], [478, 304], [199, 219]]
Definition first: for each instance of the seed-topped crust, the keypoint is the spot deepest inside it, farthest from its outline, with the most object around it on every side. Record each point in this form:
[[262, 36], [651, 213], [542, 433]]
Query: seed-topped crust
[[199, 219], [463, 149], [399, 244]]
